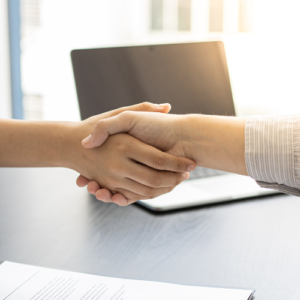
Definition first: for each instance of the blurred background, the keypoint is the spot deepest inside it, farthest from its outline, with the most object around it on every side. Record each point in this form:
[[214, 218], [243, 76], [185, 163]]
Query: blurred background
[[261, 37]]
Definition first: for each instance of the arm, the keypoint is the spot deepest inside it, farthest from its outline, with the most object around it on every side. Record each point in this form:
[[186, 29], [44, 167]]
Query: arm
[[267, 148], [44, 144], [273, 152], [210, 141], [123, 164], [37, 144]]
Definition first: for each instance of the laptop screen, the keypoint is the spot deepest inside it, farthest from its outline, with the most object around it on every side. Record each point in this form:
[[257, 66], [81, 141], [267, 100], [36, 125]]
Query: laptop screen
[[192, 77]]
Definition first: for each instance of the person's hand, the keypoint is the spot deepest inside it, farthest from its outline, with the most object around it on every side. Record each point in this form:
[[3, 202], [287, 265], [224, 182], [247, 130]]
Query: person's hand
[[92, 186], [153, 130], [127, 167], [161, 131], [216, 142], [159, 161]]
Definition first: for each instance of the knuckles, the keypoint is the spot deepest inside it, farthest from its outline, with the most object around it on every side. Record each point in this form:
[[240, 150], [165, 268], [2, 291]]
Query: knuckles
[[154, 182], [152, 193], [100, 123], [122, 148], [178, 165], [158, 161], [125, 115], [145, 106], [149, 193], [157, 180]]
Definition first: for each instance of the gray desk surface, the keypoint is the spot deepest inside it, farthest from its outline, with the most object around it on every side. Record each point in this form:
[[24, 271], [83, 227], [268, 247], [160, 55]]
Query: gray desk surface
[[46, 220]]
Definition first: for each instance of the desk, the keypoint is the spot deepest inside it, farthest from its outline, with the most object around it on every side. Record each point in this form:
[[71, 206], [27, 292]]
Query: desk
[[45, 220]]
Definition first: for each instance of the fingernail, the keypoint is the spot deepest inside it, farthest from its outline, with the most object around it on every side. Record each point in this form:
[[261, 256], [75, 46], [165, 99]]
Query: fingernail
[[191, 168], [87, 140], [185, 176], [162, 105]]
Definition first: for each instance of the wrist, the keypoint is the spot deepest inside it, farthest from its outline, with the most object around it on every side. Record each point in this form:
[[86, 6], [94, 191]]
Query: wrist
[[216, 142], [70, 150]]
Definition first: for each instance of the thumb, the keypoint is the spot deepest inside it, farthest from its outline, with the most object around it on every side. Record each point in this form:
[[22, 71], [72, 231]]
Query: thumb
[[147, 106], [123, 122]]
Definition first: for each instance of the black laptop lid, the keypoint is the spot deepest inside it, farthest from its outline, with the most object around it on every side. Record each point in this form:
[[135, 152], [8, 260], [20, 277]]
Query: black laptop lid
[[192, 77]]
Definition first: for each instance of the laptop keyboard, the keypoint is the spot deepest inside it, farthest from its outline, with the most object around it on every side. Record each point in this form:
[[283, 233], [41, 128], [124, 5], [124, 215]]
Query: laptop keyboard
[[200, 172]]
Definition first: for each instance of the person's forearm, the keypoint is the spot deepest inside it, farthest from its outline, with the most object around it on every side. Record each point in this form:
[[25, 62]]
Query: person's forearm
[[45, 144], [37, 144], [215, 142]]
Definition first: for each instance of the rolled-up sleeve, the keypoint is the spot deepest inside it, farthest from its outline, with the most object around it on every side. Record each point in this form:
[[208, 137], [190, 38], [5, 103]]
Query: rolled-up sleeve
[[272, 152]]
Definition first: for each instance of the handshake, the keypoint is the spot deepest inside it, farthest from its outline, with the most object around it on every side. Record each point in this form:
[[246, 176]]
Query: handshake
[[129, 154], [135, 156], [141, 152]]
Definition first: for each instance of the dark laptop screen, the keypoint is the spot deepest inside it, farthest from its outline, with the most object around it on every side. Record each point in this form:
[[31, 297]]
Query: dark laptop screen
[[192, 77]]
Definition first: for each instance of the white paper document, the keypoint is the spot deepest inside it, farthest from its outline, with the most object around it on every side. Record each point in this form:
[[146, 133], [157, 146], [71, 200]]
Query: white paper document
[[18, 281]]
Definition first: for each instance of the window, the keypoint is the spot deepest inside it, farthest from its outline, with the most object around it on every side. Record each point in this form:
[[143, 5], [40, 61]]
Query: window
[[231, 16], [171, 15], [52, 28], [30, 26], [245, 15], [184, 15], [157, 14], [216, 15], [30, 14]]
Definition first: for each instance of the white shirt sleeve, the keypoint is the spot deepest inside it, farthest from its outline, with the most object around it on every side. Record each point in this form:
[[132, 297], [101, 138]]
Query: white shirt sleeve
[[272, 152]]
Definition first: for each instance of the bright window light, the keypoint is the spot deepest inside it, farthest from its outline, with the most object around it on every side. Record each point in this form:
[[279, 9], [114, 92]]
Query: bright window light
[[261, 39]]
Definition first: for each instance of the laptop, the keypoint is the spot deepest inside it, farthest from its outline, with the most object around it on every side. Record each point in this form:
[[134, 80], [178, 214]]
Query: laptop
[[192, 77]]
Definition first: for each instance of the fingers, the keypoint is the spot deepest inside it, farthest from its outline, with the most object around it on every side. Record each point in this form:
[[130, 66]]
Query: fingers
[[159, 160], [100, 193], [125, 197], [106, 127], [145, 191], [93, 187], [147, 106], [140, 174], [98, 136], [104, 195], [147, 175], [120, 200], [82, 181], [131, 190]]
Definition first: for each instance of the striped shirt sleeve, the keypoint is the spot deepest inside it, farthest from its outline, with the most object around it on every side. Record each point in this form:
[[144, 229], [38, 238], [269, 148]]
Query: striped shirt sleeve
[[272, 152]]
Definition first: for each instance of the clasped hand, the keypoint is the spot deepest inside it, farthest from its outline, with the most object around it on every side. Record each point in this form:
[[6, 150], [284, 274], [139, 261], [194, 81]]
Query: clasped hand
[[142, 163]]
